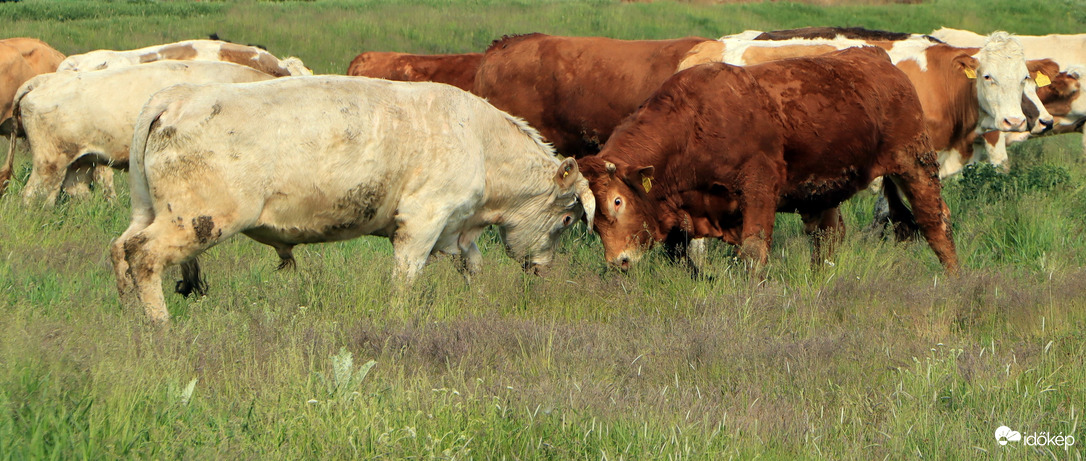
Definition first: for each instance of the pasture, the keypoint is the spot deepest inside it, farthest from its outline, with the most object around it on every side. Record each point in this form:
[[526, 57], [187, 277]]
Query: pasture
[[879, 355]]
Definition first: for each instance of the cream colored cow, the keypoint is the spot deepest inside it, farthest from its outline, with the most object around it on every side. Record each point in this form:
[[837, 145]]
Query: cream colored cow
[[73, 120], [188, 50], [317, 159]]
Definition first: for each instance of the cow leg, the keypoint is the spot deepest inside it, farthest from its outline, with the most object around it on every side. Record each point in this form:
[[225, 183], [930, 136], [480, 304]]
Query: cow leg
[[77, 181], [470, 260], [894, 211], [931, 213], [149, 252], [758, 203], [412, 244], [103, 176], [46, 177], [826, 230], [691, 254], [140, 220]]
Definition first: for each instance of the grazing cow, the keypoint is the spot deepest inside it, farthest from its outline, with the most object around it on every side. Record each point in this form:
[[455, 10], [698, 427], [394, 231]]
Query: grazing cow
[[427, 165], [189, 50], [77, 119], [20, 60], [575, 90], [945, 77], [454, 69], [719, 149]]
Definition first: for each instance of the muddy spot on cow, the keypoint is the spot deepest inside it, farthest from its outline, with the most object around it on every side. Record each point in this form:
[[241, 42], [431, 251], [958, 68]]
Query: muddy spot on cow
[[166, 132], [133, 244], [358, 206], [203, 226], [215, 110]]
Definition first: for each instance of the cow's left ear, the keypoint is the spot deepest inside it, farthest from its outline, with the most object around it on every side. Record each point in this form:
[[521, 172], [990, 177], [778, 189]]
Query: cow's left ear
[[967, 65], [567, 173], [644, 176]]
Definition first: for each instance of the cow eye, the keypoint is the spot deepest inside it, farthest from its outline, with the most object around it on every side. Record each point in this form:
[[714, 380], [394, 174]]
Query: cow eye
[[618, 202], [987, 77], [567, 220]]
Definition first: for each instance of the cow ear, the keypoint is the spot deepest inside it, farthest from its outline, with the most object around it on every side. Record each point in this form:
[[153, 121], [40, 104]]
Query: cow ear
[[567, 173], [644, 175], [967, 65]]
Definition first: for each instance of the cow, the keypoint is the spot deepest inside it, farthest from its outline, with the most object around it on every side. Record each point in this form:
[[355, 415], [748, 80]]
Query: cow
[[188, 50], [955, 105], [453, 69], [21, 59], [575, 90], [1066, 50], [719, 149], [77, 119], [425, 164]]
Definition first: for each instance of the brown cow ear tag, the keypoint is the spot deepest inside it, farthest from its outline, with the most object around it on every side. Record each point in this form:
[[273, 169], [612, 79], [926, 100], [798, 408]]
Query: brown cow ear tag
[[646, 182], [970, 73], [1042, 80]]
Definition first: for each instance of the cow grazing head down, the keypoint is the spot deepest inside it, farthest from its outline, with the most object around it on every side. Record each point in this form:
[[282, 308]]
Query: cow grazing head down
[[531, 232], [625, 216], [1001, 74]]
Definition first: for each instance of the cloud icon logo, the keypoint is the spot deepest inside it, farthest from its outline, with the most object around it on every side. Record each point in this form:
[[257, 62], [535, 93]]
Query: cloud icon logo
[[1004, 434]]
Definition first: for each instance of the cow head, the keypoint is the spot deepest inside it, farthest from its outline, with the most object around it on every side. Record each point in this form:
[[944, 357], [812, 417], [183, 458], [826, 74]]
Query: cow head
[[531, 232], [1063, 97], [1001, 74], [625, 217], [1041, 72]]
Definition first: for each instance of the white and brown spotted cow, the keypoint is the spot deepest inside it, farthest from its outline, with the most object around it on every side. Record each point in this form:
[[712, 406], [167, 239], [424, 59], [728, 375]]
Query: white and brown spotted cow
[[317, 159], [77, 120], [188, 50]]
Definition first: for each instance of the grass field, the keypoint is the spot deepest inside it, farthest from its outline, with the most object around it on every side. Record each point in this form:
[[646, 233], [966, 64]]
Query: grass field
[[877, 356]]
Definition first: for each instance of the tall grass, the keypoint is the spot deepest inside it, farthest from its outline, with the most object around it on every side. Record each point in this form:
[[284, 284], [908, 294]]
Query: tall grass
[[878, 355]]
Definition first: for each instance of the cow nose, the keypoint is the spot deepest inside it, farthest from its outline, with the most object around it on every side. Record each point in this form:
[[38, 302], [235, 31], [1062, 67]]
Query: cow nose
[[1014, 124], [623, 262]]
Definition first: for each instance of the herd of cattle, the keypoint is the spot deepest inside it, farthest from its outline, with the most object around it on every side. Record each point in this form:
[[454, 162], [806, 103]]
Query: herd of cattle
[[664, 141]]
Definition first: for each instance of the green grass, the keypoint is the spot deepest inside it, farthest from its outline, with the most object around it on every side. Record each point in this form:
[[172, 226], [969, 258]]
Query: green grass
[[878, 356]]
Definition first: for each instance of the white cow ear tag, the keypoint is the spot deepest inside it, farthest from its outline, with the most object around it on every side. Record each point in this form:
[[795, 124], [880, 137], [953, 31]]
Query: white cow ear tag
[[970, 73], [1042, 80], [646, 182]]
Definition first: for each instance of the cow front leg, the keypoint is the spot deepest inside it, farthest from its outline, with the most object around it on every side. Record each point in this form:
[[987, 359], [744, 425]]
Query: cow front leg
[[826, 229], [412, 244], [103, 176]]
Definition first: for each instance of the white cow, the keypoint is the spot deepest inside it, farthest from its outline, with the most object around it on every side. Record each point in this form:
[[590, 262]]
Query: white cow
[[1068, 51], [188, 50], [317, 159], [76, 119]]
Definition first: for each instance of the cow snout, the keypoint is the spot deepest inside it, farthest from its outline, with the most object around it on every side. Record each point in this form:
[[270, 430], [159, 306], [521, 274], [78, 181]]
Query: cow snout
[[1045, 124], [1013, 124], [622, 262]]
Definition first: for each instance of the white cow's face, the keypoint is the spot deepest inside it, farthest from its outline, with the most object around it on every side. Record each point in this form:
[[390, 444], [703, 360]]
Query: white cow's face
[[1001, 74], [531, 233]]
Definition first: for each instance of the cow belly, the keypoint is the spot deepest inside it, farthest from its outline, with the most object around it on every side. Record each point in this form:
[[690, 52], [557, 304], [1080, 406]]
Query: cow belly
[[294, 218]]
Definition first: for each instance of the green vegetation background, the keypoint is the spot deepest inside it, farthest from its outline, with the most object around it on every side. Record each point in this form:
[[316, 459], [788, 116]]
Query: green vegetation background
[[879, 355]]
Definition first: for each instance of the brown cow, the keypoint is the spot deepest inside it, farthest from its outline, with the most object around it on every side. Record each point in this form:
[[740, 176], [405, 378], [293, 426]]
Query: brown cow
[[717, 151], [575, 90], [453, 69], [20, 59]]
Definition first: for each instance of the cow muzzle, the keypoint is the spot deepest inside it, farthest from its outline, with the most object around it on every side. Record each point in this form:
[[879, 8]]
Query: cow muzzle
[[1013, 124]]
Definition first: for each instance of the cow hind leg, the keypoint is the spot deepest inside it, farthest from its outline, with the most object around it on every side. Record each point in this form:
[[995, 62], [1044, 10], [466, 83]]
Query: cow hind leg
[[140, 220], [46, 178], [826, 230], [931, 214], [148, 253]]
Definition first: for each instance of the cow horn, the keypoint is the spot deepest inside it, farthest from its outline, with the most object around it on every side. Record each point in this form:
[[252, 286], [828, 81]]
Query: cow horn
[[588, 201], [611, 168]]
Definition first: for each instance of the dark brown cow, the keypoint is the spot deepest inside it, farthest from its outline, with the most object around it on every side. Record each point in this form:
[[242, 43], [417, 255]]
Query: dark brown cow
[[453, 69], [575, 90], [717, 151]]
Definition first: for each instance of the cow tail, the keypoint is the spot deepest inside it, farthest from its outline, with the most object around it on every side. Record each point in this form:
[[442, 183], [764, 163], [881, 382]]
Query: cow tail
[[16, 130], [137, 175]]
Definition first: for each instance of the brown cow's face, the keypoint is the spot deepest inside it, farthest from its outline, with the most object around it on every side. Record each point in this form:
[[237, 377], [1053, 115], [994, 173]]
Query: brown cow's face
[[1063, 98], [624, 212]]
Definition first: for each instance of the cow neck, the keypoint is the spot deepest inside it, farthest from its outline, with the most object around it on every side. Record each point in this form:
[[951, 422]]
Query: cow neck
[[519, 174], [963, 106]]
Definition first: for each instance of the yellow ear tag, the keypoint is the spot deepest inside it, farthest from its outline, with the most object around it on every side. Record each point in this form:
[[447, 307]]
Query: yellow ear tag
[[565, 173], [970, 73], [646, 182], [1042, 80]]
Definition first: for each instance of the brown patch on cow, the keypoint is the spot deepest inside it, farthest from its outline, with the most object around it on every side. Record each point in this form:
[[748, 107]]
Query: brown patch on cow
[[204, 225], [177, 53], [149, 57], [1059, 96], [133, 244], [252, 57], [758, 55]]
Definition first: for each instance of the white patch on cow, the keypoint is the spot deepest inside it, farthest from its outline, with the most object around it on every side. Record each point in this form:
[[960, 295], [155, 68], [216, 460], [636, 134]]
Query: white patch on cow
[[913, 49], [950, 163], [734, 49], [744, 35]]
